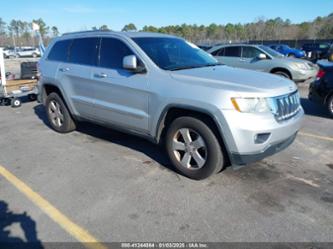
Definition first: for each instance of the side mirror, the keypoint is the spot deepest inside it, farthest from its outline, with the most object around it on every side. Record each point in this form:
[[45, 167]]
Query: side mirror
[[262, 56], [130, 62]]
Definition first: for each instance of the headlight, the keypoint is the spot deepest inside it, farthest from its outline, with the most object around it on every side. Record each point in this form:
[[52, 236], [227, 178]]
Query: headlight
[[301, 66], [251, 105]]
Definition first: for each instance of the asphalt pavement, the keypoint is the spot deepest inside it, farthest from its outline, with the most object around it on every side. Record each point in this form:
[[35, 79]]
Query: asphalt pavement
[[118, 187]]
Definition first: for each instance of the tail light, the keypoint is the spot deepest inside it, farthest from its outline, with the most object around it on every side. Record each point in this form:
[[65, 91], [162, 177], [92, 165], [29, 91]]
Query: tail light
[[320, 74]]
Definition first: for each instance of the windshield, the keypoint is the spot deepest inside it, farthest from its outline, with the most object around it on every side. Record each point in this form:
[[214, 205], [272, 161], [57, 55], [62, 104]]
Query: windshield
[[285, 46], [174, 53], [271, 52]]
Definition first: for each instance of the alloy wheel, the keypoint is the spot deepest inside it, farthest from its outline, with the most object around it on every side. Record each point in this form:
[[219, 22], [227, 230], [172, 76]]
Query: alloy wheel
[[189, 148], [56, 114]]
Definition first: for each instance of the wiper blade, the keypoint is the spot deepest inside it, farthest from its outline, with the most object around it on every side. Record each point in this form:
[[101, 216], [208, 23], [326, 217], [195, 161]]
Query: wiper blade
[[214, 64], [195, 66], [183, 68]]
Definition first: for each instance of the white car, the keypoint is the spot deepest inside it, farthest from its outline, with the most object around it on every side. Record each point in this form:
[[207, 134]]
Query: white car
[[9, 53], [28, 52]]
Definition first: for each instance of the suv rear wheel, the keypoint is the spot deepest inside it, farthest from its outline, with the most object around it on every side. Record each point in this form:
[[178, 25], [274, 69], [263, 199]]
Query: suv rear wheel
[[58, 114], [193, 148]]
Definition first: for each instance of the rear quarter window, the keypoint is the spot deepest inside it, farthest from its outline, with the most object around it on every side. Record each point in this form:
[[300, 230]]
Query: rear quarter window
[[59, 51]]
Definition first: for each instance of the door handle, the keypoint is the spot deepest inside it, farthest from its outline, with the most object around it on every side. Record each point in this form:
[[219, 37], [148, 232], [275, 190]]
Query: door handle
[[64, 69], [100, 75]]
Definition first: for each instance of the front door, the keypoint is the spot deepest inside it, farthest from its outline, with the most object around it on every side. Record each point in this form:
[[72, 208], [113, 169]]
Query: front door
[[121, 95]]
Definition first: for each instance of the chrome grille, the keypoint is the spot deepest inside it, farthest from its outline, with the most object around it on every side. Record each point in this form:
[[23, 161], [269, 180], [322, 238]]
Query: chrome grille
[[286, 106]]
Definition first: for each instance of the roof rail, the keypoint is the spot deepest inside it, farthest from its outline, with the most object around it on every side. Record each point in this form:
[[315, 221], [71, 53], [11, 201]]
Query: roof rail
[[85, 31]]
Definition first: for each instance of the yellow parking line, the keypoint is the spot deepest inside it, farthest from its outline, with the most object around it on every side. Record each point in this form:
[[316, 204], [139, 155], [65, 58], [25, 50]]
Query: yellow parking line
[[76, 231], [316, 136]]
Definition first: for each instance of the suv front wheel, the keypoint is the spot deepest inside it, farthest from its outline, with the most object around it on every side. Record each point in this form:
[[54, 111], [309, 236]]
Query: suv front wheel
[[58, 114], [193, 148]]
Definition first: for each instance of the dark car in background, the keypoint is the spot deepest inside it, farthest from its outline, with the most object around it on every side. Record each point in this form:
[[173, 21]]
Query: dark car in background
[[321, 90], [317, 51], [205, 47], [288, 51]]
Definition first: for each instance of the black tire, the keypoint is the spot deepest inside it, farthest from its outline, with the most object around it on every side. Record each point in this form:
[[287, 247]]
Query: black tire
[[291, 55], [32, 97], [15, 102], [214, 157], [282, 74], [330, 106], [67, 125]]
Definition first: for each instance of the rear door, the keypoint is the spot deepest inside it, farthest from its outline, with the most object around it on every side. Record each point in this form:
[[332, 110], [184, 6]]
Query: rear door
[[121, 95], [231, 56], [76, 75]]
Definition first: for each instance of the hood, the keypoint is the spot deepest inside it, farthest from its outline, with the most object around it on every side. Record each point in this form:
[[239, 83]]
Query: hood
[[236, 79], [289, 61]]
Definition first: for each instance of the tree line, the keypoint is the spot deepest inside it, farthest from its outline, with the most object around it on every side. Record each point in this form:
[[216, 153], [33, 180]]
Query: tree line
[[18, 32], [261, 29]]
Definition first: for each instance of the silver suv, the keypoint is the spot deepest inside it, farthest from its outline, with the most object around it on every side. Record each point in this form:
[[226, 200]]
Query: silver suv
[[264, 59], [28, 52], [168, 90]]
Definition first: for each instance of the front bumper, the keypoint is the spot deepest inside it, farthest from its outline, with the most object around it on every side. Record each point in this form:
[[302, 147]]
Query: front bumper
[[244, 128], [238, 159], [300, 76]]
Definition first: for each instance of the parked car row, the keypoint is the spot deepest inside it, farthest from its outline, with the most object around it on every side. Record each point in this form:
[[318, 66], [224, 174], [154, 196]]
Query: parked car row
[[265, 59], [15, 52]]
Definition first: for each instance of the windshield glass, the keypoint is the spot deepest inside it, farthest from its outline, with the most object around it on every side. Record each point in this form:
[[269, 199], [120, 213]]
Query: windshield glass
[[174, 53], [285, 46], [271, 52]]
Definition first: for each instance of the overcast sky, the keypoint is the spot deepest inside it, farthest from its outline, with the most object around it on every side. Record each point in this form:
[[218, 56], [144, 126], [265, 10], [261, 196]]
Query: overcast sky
[[72, 15]]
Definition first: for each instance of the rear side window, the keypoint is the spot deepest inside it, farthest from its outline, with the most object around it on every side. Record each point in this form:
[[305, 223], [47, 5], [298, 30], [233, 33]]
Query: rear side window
[[232, 51], [59, 51], [112, 52], [84, 51]]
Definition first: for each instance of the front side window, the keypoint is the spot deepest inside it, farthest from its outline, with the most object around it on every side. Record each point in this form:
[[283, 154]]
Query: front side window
[[250, 52], [59, 51], [84, 51], [174, 53], [232, 51], [219, 52], [112, 52]]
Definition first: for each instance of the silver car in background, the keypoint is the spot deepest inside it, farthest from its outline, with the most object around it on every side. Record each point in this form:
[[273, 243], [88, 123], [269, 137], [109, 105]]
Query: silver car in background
[[168, 91], [264, 59], [28, 52]]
